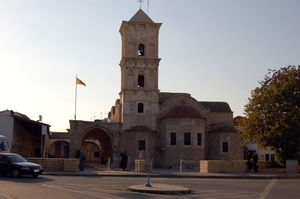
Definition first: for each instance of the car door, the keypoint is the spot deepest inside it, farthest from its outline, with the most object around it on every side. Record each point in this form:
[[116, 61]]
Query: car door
[[4, 164]]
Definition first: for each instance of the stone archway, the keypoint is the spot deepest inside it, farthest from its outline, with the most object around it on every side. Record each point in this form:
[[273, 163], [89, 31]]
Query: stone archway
[[96, 144]]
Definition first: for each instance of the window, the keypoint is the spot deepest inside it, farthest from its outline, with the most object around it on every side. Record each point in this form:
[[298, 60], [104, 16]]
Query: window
[[142, 145], [199, 139], [272, 157], [57, 148], [173, 139], [140, 107], [141, 81], [141, 50], [187, 138], [224, 147], [267, 157]]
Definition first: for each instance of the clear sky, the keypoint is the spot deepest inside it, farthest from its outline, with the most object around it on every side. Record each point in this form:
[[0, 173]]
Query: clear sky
[[216, 50]]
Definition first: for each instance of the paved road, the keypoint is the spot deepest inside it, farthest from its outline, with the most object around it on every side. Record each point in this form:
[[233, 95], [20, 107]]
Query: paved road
[[99, 187]]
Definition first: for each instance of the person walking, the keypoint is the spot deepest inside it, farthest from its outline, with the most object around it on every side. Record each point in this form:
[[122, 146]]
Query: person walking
[[142, 155], [254, 161], [81, 160], [249, 163], [124, 160]]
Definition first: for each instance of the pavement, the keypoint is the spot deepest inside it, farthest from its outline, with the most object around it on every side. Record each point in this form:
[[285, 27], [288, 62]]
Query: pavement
[[102, 170]]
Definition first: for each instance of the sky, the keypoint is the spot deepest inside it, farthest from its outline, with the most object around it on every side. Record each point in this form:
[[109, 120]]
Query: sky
[[216, 50]]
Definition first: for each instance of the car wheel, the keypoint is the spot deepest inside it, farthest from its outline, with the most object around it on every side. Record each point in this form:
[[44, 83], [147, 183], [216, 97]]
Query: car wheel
[[16, 173], [35, 175]]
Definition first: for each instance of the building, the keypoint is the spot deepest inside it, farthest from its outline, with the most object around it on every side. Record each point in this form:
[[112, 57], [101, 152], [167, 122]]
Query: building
[[263, 154], [168, 126], [26, 137]]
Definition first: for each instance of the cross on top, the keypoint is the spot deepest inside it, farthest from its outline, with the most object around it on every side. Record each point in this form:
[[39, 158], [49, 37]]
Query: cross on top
[[140, 3]]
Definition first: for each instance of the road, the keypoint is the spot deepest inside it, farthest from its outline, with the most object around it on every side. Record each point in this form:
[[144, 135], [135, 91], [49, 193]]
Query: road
[[62, 187]]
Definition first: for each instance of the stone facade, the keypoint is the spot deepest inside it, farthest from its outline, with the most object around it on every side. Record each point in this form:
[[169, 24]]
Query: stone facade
[[169, 126]]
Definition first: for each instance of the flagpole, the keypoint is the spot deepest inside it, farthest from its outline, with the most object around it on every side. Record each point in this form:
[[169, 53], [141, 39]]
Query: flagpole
[[75, 97]]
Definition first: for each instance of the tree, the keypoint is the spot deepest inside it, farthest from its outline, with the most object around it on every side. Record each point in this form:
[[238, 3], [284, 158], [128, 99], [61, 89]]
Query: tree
[[272, 115]]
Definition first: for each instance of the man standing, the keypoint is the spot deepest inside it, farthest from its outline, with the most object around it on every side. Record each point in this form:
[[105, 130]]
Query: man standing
[[81, 160]]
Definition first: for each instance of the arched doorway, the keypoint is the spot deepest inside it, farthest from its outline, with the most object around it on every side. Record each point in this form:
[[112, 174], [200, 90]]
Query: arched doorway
[[96, 144], [58, 149]]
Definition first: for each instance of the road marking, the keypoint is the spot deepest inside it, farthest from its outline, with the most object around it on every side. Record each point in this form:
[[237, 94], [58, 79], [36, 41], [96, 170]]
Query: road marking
[[267, 190]]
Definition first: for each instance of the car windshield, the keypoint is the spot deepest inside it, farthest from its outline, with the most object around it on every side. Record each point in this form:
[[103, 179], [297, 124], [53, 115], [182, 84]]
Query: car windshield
[[16, 158]]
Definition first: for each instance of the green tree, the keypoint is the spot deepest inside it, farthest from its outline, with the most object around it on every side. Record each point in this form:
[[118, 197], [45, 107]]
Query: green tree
[[272, 115]]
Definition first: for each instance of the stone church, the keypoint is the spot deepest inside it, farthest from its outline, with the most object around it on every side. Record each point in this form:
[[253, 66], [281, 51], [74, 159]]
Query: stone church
[[168, 126]]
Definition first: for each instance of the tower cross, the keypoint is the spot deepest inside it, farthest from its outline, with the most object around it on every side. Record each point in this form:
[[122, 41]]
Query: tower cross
[[140, 3]]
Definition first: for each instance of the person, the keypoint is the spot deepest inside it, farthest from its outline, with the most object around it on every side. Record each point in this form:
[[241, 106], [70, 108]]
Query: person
[[249, 163], [142, 155], [254, 161], [81, 160], [124, 160], [128, 162]]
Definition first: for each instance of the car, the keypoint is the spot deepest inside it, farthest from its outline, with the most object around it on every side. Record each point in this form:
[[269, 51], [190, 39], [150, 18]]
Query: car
[[15, 165]]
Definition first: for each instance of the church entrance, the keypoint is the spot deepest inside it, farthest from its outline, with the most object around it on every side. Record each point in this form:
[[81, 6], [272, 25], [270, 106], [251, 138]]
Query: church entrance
[[97, 145]]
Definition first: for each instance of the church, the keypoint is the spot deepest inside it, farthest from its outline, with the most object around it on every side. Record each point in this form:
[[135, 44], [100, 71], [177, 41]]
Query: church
[[169, 126]]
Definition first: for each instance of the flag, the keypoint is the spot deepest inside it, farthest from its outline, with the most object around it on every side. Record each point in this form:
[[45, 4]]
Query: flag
[[78, 81]]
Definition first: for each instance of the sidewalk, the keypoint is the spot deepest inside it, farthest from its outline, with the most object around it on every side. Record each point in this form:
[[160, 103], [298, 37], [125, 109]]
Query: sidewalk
[[170, 173]]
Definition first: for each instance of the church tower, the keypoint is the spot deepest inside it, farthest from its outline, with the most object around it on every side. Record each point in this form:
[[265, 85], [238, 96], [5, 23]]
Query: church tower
[[139, 105]]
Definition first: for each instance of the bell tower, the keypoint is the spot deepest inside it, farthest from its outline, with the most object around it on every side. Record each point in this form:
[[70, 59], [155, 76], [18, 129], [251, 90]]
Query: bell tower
[[139, 105]]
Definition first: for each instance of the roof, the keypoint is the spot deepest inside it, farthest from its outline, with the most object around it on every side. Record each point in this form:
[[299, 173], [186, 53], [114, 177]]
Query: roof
[[141, 16], [217, 106], [236, 120], [182, 112], [164, 96], [222, 128], [33, 127], [60, 135]]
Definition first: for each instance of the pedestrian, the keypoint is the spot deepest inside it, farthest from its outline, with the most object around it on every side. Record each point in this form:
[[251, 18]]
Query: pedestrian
[[128, 162], [249, 163], [142, 155], [124, 160], [254, 161], [81, 160]]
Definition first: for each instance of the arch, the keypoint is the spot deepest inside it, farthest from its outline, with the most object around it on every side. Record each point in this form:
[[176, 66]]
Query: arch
[[96, 144], [141, 50], [141, 81], [58, 149], [140, 108]]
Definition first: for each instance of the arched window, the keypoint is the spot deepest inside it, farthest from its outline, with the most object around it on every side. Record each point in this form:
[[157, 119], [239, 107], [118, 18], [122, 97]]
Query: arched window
[[141, 50], [141, 81], [140, 107]]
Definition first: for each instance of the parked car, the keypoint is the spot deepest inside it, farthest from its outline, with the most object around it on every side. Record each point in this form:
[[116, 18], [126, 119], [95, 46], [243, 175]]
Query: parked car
[[16, 165]]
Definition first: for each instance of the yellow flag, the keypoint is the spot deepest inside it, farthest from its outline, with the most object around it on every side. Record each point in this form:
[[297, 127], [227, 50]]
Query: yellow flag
[[78, 81]]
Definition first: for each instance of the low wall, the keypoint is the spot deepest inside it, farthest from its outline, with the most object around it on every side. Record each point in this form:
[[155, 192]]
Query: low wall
[[266, 164], [56, 164], [141, 166], [222, 166]]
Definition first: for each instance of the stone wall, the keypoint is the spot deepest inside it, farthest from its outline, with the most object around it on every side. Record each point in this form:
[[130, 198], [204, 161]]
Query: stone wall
[[214, 144], [219, 166], [56, 164]]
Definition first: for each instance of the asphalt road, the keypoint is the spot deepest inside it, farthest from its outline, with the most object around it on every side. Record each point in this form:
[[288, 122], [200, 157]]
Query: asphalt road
[[62, 187]]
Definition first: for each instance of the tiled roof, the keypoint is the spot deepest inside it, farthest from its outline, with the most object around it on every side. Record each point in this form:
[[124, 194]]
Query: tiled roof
[[236, 120], [182, 112], [222, 128]]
